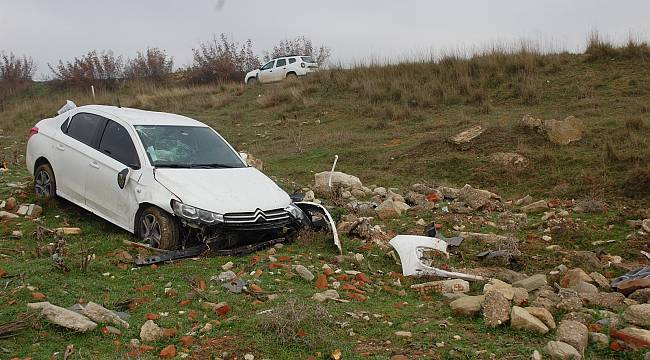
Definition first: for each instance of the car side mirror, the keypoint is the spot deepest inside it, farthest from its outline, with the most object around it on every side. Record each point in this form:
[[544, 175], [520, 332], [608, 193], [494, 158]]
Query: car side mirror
[[123, 177]]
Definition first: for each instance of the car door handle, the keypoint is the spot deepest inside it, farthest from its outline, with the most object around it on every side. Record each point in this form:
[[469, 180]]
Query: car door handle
[[60, 147], [94, 164]]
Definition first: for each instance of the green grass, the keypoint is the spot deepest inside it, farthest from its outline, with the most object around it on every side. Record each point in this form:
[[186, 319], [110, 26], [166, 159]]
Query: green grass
[[389, 127]]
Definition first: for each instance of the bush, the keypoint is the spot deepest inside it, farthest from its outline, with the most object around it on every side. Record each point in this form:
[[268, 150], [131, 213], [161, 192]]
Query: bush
[[153, 65], [15, 73], [220, 60], [101, 70], [299, 46], [601, 49]]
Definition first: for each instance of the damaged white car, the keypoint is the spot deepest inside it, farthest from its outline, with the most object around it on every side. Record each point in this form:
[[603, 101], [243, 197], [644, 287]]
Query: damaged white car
[[171, 180]]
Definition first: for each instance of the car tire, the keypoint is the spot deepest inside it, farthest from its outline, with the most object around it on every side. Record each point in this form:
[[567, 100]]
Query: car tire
[[44, 181], [158, 229], [292, 76], [252, 81]]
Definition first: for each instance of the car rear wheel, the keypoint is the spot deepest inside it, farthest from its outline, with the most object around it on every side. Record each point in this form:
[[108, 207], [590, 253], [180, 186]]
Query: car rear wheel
[[157, 229], [44, 181], [292, 76]]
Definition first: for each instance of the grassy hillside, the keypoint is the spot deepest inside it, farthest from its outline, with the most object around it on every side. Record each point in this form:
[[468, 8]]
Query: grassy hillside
[[390, 126]]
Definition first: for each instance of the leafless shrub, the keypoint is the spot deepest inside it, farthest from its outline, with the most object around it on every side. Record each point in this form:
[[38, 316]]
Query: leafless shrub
[[592, 205], [601, 49], [299, 46], [98, 69], [220, 60], [299, 323], [154, 64], [15, 73]]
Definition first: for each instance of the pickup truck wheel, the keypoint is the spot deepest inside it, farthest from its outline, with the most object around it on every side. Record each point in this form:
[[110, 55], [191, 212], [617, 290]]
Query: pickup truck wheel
[[158, 229], [44, 181], [252, 81]]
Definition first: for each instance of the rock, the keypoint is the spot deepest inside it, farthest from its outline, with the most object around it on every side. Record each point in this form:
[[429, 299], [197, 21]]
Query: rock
[[150, 332], [309, 196], [630, 286], [100, 314], [633, 337], [561, 351], [421, 222], [453, 296], [646, 225], [496, 308], [11, 203], [34, 210], [339, 179], [542, 314], [64, 317], [638, 315], [533, 123], [304, 273], [249, 357], [573, 277], [522, 319], [524, 200], [582, 317], [600, 280], [467, 305], [111, 330], [168, 352], [641, 295], [388, 209], [574, 334], [17, 234], [7, 215], [475, 198], [519, 296], [252, 161], [537, 206], [536, 355], [509, 159], [228, 266], [613, 301], [585, 288], [499, 286], [598, 339], [325, 295], [569, 300], [467, 135], [531, 283], [449, 192], [442, 286], [564, 132]]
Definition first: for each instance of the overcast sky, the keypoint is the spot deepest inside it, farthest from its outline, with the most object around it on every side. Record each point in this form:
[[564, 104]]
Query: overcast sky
[[356, 30]]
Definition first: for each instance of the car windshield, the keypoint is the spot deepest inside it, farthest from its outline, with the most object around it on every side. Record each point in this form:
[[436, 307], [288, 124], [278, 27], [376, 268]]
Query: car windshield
[[186, 147]]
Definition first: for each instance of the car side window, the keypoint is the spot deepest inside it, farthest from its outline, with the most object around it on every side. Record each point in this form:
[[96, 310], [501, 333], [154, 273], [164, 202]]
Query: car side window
[[268, 65], [292, 60], [85, 127], [117, 143], [281, 62], [64, 126]]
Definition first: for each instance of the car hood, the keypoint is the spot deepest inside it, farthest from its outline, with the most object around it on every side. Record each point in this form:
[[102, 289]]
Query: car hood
[[252, 73], [224, 190]]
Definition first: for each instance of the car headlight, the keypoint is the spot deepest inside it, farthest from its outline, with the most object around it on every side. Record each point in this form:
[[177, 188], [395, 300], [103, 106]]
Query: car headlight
[[191, 213], [294, 211]]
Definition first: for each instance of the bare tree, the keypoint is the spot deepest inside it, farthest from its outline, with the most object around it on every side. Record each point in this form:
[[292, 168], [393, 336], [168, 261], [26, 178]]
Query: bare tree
[[299, 46], [154, 64], [103, 69], [221, 59], [15, 73]]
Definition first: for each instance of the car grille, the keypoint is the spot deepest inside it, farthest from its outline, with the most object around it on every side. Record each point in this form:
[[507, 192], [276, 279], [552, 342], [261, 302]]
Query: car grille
[[258, 219]]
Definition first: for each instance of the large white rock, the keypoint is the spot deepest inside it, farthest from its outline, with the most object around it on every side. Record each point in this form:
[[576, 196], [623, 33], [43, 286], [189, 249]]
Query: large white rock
[[638, 315], [101, 314], [561, 351], [150, 332], [338, 179], [64, 317], [522, 319]]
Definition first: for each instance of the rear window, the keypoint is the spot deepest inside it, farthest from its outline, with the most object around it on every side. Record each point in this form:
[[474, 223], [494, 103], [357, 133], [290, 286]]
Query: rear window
[[307, 59], [292, 60], [85, 127]]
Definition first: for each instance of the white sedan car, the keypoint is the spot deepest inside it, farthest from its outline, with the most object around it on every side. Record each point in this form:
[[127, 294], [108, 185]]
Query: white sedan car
[[167, 178], [282, 68]]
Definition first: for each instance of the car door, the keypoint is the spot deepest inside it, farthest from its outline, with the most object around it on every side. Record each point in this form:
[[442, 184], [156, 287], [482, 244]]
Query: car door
[[266, 72], [280, 69], [72, 150], [115, 153]]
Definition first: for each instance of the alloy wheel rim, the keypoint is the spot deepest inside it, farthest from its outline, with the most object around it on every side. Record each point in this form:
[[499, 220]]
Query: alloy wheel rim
[[150, 230], [43, 184]]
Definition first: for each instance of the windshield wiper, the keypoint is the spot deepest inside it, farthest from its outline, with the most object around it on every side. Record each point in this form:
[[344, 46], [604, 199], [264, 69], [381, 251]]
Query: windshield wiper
[[212, 166]]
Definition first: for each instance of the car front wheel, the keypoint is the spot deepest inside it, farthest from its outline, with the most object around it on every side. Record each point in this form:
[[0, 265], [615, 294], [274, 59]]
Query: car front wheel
[[157, 229], [44, 181], [252, 81]]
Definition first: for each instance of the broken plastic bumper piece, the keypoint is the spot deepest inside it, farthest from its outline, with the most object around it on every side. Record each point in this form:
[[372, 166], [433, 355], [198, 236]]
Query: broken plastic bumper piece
[[413, 248]]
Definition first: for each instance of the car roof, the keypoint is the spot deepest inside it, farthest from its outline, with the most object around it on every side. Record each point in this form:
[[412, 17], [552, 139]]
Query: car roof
[[142, 117], [289, 56]]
